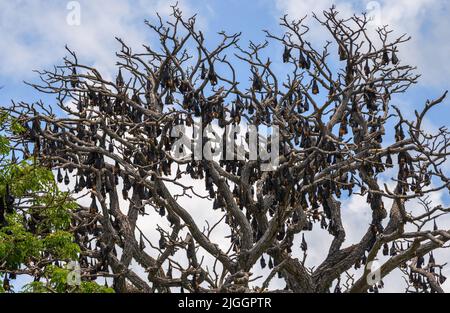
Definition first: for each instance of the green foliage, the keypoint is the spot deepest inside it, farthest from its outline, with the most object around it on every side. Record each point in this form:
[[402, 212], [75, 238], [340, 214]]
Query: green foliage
[[56, 281], [4, 145], [61, 245], [17, 245], [36, 196], [91, 287]]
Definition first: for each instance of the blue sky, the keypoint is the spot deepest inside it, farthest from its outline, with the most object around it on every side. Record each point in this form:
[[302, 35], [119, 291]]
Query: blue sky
[[33, 34]]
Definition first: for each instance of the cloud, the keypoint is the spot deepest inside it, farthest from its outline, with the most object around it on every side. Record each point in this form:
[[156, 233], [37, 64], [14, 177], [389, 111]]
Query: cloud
[[34, 33], [425, 20]]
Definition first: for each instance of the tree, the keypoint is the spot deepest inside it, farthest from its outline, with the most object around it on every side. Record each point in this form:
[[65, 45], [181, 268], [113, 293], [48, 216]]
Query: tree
[[35, 217], [115, 137]]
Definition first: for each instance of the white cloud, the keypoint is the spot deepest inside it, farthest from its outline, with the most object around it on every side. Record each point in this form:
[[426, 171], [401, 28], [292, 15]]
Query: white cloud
[[34, 33], [425, 20]]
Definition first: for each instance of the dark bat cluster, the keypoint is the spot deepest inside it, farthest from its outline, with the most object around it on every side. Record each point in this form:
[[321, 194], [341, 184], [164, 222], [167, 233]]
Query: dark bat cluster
[[114, 142], [6, 205]]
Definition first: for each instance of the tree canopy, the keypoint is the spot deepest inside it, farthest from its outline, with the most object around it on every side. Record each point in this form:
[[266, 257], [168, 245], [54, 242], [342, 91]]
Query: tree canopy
[[112, 140], [35, 219]]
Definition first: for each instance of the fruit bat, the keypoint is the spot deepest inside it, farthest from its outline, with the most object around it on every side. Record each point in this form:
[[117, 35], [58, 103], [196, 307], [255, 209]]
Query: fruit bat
[[119, 79], [341, 51], [315, 87], [93, 209], [385, 249], [304, 245], [74, 79], [367, 68], [394, 58], [262, 262], [385, 58], [59, 176], [302, 61], [286, 54], [212, 76], [203, 71], [257, 83], [270, 263], [66, 179]]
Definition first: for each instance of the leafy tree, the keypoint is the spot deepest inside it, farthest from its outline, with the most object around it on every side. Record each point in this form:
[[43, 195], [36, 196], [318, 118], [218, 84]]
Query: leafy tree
[[35, 219], [113, 140]]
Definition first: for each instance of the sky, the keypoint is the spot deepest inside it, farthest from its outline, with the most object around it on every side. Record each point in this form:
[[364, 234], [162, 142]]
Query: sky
[[33, 35]]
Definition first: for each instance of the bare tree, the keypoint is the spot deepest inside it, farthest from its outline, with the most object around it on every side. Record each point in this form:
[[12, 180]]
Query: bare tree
[[115, 139]]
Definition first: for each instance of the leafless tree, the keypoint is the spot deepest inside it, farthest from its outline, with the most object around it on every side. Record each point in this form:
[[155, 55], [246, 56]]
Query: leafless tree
[[332, 110]]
